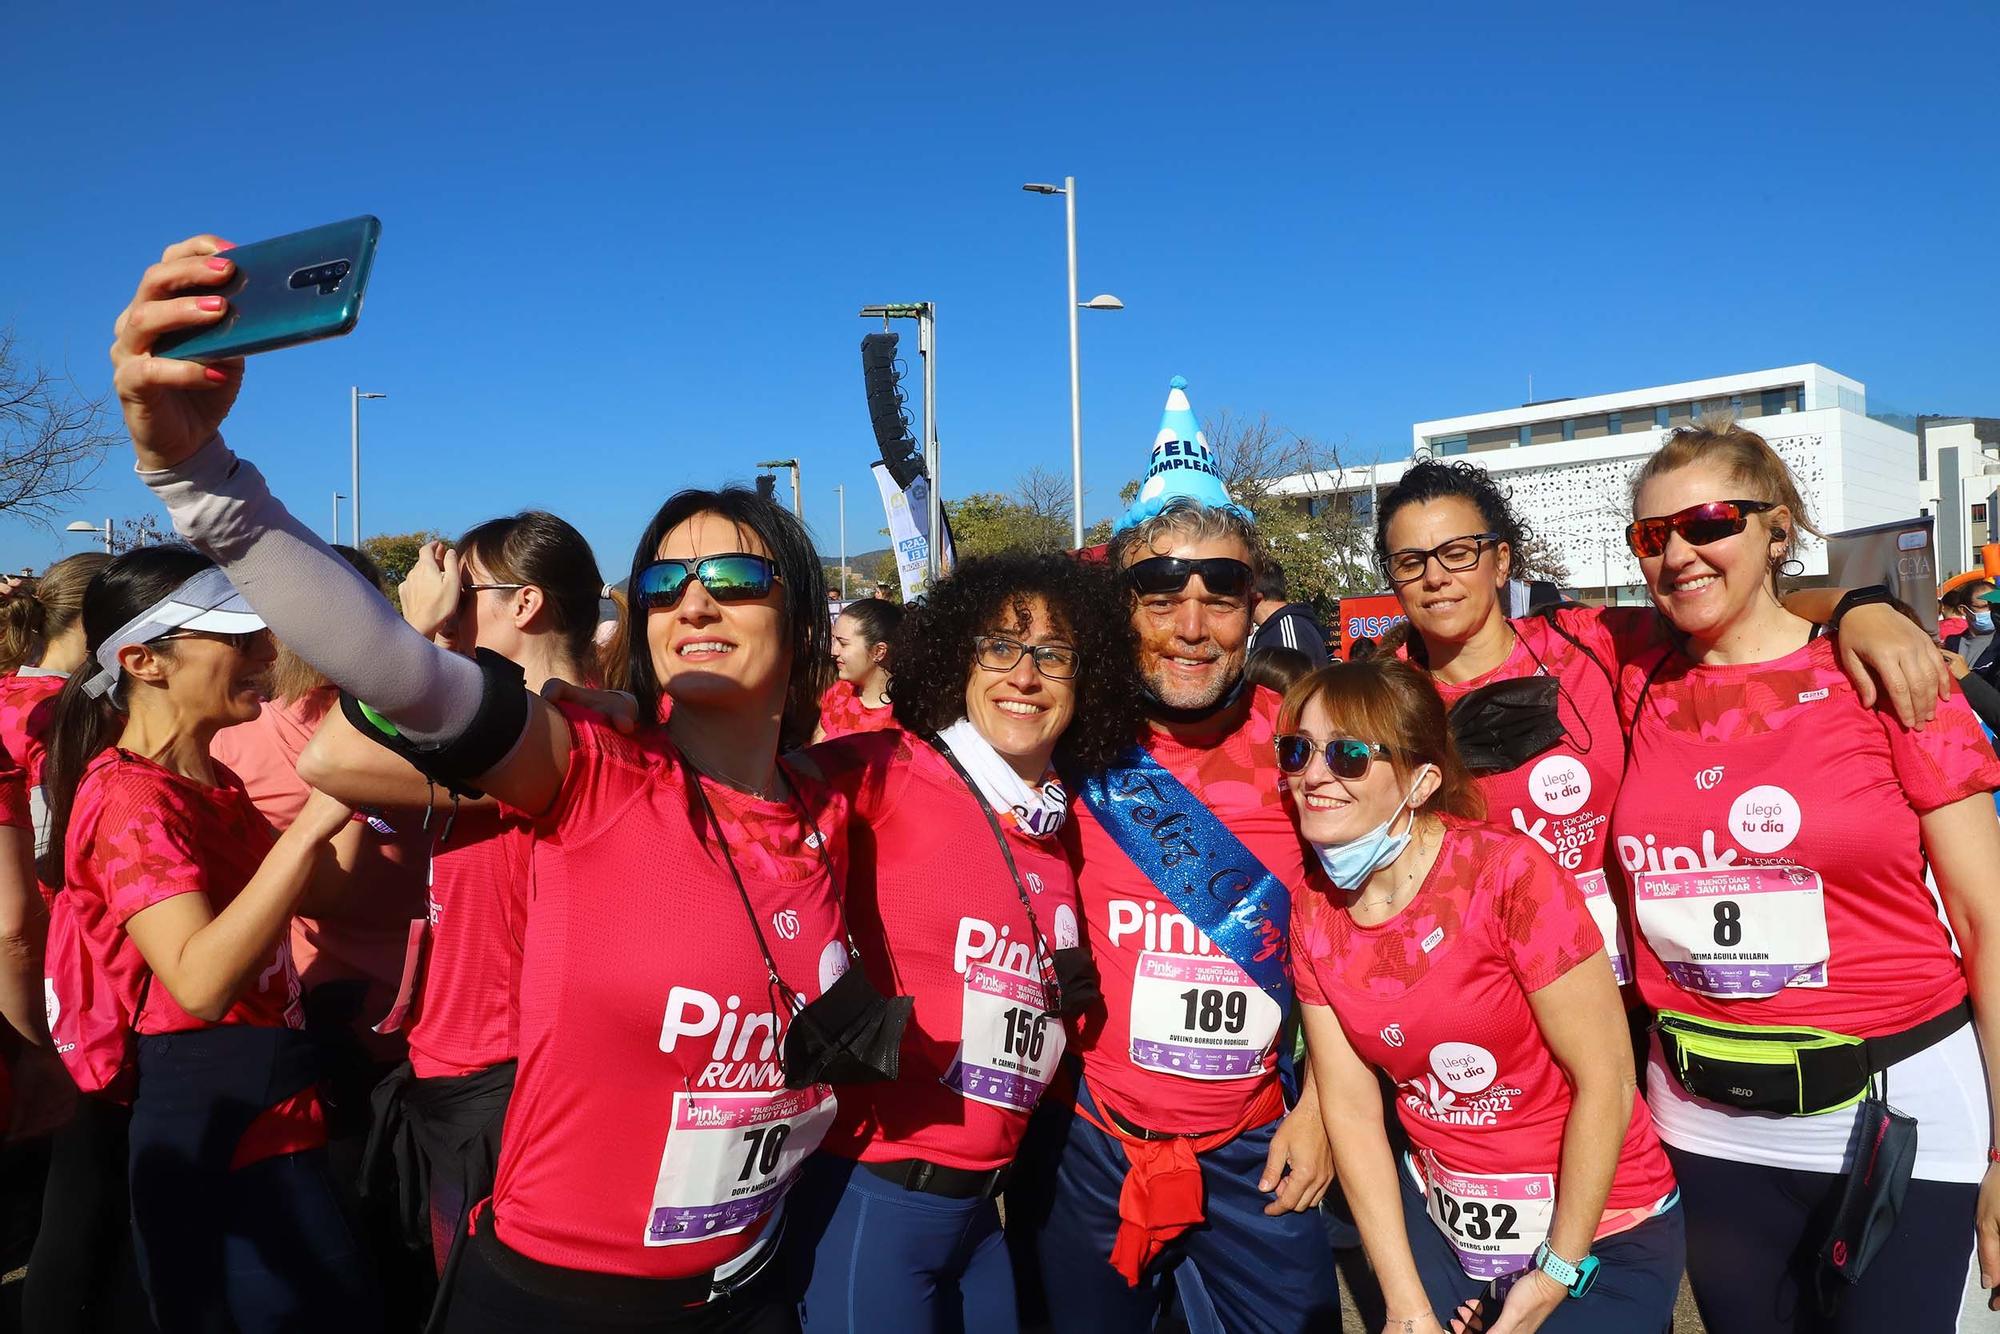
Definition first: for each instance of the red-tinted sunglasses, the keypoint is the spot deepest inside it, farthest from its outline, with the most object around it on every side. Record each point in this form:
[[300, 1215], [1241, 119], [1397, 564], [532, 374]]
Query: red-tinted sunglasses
[[1698, 525]]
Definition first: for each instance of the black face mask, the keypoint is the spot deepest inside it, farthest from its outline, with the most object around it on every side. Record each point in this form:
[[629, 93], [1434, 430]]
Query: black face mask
[[1501, 726], [852, 1034], [1076, 981]]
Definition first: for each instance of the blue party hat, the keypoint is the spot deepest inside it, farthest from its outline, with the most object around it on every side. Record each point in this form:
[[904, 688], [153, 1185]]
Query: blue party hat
[[1181, 467]]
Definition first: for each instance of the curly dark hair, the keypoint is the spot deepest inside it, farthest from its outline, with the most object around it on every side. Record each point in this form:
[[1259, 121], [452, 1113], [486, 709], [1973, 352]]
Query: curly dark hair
[[1086, 602], [1442, 479]]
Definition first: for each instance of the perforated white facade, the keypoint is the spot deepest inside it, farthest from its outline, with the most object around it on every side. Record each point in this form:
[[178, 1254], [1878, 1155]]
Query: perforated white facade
[[1574, 489]]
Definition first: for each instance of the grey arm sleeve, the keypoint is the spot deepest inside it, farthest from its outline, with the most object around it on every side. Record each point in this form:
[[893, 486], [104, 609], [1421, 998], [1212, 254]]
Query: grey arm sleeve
[[313, 600]]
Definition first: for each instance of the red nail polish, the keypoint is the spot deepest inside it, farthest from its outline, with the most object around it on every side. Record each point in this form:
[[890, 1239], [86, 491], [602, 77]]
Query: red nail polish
[[219, 377], [209, 302], [218, 263]]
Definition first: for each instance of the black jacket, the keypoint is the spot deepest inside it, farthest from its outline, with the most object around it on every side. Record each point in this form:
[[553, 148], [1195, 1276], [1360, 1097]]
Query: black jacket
[[1292, 626]]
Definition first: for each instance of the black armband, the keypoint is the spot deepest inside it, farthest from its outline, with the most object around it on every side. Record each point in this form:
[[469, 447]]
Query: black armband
[[495, 729], [1858, 597]]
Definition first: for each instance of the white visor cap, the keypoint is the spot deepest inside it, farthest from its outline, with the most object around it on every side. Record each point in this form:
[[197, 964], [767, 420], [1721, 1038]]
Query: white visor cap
[[206, 602]]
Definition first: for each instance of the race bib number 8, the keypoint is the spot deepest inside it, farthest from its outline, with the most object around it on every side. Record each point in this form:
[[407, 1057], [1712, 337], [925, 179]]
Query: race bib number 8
[[1494, 1223], [1744, 932], [1200, 1016], [1009, 1045], [730, 1157]]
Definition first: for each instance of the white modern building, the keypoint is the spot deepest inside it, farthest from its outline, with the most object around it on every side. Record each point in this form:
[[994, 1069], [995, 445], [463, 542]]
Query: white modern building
[[1958, 475], [1568, 463]]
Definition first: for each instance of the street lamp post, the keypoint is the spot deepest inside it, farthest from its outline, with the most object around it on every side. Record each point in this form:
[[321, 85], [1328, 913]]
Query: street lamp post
[[354, 444], [335, 530], [793, 464], [840, 490], [79, 526], [1104, 301]]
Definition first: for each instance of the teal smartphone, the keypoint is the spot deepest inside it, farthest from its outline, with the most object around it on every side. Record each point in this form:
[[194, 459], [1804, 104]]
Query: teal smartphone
[[286, 291]]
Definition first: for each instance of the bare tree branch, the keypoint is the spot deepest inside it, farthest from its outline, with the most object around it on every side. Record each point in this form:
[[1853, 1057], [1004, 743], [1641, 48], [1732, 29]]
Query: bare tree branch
[[1323, 542], [52, 438]]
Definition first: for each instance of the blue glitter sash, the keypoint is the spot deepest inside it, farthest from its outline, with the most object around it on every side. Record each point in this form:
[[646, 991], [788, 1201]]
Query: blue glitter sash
[[1193, 859]]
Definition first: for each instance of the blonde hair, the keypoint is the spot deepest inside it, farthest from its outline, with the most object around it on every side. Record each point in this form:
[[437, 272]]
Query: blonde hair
[[1749, 461], [34, 616]]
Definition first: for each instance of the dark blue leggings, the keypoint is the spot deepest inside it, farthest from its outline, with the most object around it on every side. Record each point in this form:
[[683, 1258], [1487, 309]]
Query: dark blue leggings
[[1242, 1271], [1754, 1235], [1638, 1275], [869, 1255], [263, 1247]]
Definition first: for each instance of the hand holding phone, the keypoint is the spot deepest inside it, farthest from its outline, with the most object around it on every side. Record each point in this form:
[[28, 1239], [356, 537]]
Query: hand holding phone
[[286, 291]]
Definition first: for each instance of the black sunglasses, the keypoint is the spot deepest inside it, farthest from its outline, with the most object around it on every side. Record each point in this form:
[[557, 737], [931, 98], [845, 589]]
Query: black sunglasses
[[1460, 553], [1346, 756], [732, 576], [1698, 525], [1222, 575]]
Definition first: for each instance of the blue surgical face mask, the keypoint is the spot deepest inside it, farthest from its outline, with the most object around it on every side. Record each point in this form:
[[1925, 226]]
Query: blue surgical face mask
[[1982, 621], [1350, 864]]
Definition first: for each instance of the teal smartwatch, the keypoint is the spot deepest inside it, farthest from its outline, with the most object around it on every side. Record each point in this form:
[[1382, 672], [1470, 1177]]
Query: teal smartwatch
[[1575, 1279]]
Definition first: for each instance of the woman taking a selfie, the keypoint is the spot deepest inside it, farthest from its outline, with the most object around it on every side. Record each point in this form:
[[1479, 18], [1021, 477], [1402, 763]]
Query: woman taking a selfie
[[171, 917], [671, 1080], [1810, 1003], [1457, 960]]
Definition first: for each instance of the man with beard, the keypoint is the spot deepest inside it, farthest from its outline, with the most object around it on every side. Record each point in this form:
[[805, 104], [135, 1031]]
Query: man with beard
[[1180, 1159]]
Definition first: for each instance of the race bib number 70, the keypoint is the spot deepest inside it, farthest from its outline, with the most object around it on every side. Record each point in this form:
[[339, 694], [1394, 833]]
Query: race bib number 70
[[730, 1158]]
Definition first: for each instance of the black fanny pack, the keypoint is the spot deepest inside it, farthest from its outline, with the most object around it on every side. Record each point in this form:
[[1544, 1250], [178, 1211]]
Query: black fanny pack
[[1791, 1071]]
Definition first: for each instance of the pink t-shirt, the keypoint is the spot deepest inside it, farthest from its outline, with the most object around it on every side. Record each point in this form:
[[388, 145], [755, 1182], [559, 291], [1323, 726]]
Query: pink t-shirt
[[841, 712], [1562, 798], [650, 1132], [467, 1019], [139, 835], [1772, 837], [265, 754], [1165, 1056], [27, 714], [981, 1048], [1437, 998]]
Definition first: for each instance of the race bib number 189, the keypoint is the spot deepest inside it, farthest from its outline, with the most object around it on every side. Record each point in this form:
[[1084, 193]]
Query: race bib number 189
[[730, 1157], [1201, 1016]]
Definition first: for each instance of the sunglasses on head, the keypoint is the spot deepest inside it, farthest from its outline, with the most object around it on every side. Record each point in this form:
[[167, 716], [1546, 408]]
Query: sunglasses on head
[[1346, 756], [1221, 575], [1698, 525], [732, 576]]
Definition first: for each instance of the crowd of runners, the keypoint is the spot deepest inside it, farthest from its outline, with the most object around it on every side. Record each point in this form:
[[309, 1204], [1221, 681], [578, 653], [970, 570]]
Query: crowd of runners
[[1031, 956]]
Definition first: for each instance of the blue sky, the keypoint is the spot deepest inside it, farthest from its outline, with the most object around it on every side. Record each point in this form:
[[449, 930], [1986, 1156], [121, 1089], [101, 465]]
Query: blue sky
[[623, 246]]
